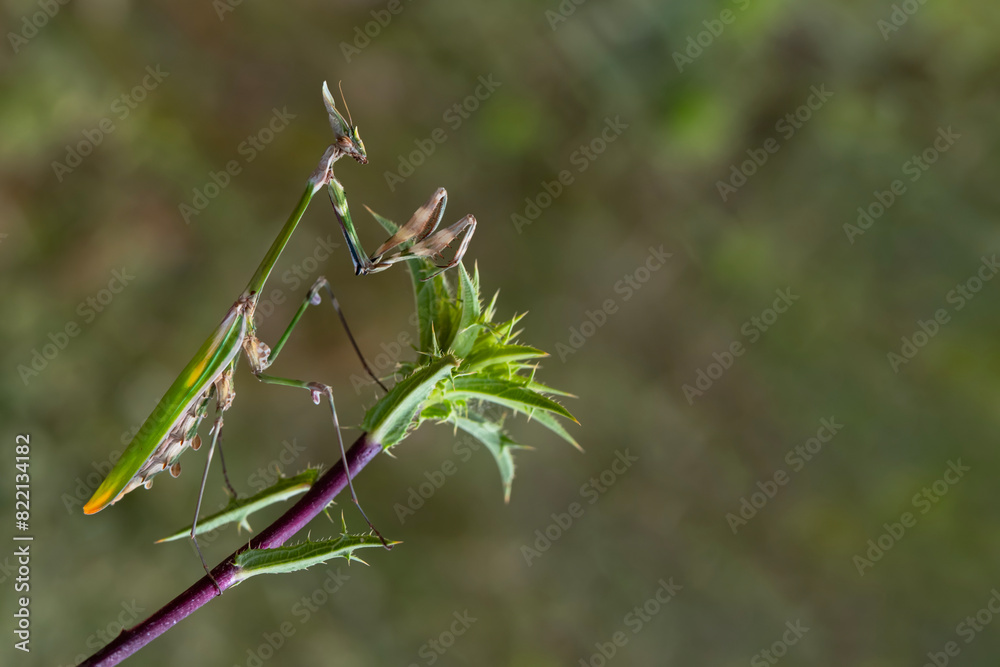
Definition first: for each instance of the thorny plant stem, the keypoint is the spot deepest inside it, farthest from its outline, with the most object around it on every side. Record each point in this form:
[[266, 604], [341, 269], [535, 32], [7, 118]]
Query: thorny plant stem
[[203, 591]]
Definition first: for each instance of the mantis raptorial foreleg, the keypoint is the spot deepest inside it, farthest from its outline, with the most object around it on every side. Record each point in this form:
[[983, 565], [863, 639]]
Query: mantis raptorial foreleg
[[317, 390], [418, 233]]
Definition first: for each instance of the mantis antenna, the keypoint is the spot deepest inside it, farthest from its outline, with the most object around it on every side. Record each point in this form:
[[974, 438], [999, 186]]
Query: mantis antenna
[[340, 86]]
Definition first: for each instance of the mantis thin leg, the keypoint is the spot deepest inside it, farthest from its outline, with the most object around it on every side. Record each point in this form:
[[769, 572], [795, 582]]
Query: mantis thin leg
[[313, 298], [225, 473], [216, 431], [317, 389]]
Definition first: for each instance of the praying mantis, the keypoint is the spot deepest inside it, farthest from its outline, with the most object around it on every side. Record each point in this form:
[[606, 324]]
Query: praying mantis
[[172, 427]]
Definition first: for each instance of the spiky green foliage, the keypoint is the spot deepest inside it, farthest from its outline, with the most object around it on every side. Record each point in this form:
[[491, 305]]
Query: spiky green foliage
[[238, 510], [469, 372], [296, 557]]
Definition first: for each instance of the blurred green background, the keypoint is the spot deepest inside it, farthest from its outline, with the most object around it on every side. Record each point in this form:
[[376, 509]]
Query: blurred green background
[[696, 90]]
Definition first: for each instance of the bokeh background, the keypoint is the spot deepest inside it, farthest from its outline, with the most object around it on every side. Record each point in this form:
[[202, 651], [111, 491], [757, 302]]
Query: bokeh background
[[900, 76]]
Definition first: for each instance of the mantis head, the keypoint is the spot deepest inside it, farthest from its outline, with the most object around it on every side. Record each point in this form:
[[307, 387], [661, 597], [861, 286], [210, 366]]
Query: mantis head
[[347, 139]]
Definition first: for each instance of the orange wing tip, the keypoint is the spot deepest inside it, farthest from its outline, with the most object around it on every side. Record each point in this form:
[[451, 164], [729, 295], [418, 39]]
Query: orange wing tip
[[97, 503]]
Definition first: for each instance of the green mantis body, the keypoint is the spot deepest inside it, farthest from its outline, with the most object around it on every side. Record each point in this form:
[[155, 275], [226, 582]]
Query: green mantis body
[[172, 426]]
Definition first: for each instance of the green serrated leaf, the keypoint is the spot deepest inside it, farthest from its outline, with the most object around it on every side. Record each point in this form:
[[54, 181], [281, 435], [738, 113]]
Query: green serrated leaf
[[490, 310], [545, 389], [445, 316], [467, 329], [437, 412], [388, 421], [504, 392], [298, 557], [239, 509], [554, 425], [499, 445], [387, 225], [505, 333], [500, 354], [435, 350]]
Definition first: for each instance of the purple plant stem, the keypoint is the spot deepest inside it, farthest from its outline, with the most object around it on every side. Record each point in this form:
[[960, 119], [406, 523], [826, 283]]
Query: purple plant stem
[[199, 594]]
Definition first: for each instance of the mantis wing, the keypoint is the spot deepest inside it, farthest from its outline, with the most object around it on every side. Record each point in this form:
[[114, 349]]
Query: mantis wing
[[177, 405]]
